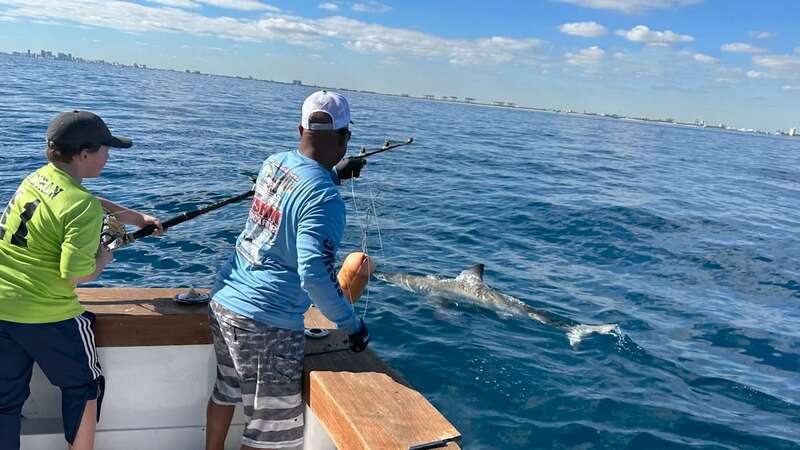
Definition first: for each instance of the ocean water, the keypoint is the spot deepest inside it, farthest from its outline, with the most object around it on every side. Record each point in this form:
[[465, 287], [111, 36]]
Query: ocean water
[[685, 238]]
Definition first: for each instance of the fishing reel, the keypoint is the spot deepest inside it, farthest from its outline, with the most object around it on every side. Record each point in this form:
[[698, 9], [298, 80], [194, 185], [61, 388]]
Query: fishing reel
[[113, 234]]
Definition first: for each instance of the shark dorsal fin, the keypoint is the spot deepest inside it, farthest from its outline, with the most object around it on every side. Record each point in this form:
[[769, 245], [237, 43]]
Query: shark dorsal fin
[[475, 272]]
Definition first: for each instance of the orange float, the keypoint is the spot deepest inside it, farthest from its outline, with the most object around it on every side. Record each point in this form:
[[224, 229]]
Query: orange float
[[354, 275]]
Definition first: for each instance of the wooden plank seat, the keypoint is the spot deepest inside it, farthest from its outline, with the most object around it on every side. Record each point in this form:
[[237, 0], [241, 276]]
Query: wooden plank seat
[[361, 402]]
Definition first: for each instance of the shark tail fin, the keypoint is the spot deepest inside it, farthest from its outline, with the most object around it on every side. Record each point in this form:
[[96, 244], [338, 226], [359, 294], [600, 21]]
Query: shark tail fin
[[576, 333]]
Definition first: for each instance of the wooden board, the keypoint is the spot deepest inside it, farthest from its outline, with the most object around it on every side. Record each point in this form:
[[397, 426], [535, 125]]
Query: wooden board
[[370, 410], [131, 317]]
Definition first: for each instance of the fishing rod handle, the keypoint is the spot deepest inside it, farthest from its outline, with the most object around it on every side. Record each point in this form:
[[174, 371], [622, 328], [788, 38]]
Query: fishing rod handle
[[184, 216]]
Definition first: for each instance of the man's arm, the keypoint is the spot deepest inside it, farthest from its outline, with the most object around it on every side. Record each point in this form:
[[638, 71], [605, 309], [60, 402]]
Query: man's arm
[[318, 237]]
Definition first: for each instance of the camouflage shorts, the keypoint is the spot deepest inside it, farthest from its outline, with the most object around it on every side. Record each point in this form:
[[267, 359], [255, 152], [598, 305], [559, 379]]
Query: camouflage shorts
[[261, 367]]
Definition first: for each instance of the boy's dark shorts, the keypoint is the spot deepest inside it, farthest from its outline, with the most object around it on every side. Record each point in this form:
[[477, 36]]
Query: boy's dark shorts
[[66, 353]]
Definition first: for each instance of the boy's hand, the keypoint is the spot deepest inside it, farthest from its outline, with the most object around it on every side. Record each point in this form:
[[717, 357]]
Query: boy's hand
[[104, 256], [150, 220]]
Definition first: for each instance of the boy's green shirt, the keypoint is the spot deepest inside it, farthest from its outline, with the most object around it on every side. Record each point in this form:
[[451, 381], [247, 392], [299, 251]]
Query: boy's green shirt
[[49, 233]]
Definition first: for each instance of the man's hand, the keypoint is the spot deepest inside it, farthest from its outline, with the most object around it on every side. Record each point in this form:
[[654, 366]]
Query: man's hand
[[359, 339], [350, 167]]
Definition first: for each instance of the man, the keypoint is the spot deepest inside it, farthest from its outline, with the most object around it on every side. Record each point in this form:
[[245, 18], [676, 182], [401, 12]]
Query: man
[[284, 259], [49, 242]]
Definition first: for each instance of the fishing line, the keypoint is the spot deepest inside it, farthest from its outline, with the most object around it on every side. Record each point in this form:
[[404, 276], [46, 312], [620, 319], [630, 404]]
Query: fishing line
[[364, 240], [375, 215]]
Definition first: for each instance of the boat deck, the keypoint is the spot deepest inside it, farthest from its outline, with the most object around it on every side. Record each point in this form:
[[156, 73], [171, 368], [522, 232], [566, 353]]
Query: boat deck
[[356, 398]]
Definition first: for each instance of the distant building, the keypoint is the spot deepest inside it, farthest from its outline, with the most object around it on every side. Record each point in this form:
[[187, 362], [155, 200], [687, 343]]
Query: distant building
[[428, 97], [469, 99], [793, 132], [297, 82]]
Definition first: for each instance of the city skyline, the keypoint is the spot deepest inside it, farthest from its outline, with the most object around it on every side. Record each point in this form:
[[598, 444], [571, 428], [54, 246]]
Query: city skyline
[[68, 57], [685, 59]]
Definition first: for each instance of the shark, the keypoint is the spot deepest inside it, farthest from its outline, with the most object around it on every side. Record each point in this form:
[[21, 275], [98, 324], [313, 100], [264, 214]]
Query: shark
[[470, 286]]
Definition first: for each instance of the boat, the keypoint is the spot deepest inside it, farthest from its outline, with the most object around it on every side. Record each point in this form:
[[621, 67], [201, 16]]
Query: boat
[[159, 366]]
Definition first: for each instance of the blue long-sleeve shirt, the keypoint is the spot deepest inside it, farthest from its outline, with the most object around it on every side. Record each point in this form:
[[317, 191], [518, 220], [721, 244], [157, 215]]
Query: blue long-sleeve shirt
[[285, 257]]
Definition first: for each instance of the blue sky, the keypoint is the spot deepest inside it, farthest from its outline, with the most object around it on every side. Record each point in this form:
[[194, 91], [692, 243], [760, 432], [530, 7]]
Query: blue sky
[[731, 61]]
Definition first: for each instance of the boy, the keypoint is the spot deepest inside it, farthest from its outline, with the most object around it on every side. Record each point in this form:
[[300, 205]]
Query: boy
[[49, 242]]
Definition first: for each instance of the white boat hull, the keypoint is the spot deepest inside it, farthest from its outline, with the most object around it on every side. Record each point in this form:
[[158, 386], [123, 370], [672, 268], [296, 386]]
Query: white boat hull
[[155, 398]]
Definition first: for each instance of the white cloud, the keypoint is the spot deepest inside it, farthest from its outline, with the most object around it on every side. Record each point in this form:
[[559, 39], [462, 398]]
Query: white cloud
[[631, 6], [329, 6], [797, 50], [243, 5], [705, 59], [583, 29], [371, 7], [741, 47], [356, 35], [790, 87], [762, 34], [177, 3], [588, 58], [756, 74], [779, 66], [645, 35]]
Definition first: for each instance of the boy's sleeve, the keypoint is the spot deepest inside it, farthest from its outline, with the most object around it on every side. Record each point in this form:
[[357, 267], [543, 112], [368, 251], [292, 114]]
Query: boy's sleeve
[[82, 227], [319, 233]]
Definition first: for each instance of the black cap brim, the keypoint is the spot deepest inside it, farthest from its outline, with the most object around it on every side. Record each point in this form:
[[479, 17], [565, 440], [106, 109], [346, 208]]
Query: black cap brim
[[120, 142]]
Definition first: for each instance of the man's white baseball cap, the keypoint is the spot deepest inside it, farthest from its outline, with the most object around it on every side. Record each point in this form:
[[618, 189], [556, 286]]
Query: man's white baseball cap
[[332, 104]]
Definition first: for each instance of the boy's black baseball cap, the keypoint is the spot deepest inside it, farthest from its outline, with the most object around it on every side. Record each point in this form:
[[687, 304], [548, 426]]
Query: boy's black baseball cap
[[76, 130]]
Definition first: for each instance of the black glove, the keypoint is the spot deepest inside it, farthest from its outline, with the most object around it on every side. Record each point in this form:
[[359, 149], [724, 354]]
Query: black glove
[[359, 339], [350, 167]]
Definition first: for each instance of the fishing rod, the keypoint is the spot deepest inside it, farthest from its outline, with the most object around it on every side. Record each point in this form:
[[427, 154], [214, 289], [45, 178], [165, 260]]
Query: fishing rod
[[114, 233], [184, 216], [115, 236], [386, 146]]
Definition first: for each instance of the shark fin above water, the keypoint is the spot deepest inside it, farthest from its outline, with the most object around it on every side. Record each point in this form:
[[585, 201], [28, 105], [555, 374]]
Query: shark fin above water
[[474, 272]]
